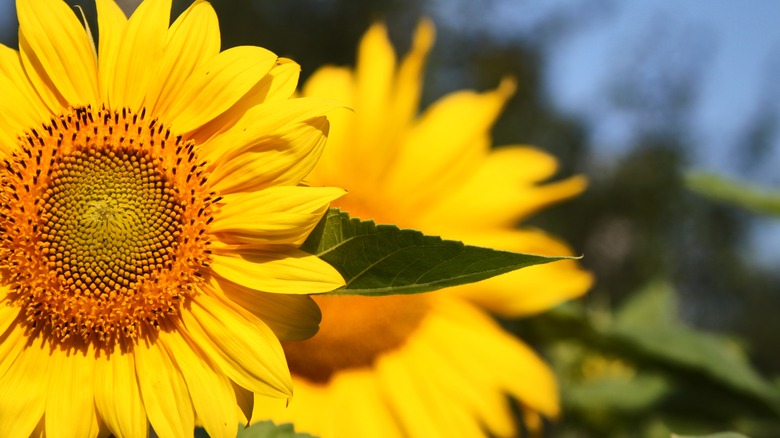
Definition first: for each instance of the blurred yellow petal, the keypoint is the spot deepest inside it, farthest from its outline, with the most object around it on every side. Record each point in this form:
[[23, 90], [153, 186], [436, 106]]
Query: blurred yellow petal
[[501, 191], [408, 88], [467, 328], [447, 144], [374, 88]]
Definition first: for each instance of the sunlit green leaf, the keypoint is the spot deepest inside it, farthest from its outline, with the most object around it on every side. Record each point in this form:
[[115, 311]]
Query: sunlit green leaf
[[383, 259], [744, 195]]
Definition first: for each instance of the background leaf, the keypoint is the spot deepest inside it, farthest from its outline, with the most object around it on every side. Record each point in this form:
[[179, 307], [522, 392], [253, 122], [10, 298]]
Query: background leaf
[[746, 196], [639, 371], [383, 259]]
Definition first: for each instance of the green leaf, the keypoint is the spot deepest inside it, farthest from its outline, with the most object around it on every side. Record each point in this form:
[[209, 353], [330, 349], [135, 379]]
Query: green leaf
[[648, 322], [746, 196], [383, 259]]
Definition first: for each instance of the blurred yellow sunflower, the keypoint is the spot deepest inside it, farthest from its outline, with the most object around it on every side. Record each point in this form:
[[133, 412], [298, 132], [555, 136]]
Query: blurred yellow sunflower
[[432, 364], [150, 215]]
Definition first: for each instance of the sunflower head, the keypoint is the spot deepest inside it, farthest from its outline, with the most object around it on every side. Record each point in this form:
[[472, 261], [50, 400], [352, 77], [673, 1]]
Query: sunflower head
[[151, 210], [106, 219]]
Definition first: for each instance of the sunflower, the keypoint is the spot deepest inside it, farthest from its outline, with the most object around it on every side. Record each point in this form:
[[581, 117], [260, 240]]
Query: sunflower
[[150, 215], [432, 364]]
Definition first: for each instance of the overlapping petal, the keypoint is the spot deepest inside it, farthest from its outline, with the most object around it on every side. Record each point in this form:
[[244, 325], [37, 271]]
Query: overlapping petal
[[193, 39], [281, 215], [212, 394], [216, 85], [117, 395], [245, 350], [284, 270], [163, 391], [291, 317], [71, 78], [23, 387], [70, 408]]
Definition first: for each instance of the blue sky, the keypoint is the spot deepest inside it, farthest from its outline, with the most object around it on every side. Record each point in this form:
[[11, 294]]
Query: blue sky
[[745, 39]]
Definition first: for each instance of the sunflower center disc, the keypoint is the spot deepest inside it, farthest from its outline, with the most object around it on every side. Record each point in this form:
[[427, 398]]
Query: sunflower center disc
[[110, 220], [103, 217]]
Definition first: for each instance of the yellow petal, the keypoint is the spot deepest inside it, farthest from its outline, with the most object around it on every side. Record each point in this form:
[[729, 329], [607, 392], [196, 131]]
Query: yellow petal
[[193, 39], [310, 410], [285, 158], [482, 399], [210, 390], [63, 60], [278, 85], [374, 75], [246, 351], [246, 403], [8, 314], [371, 416], [23, 391], [21, 97], [117, 396], [216, 85], [70, 410], [529, 290], [139, 54], [446, 145], [287, 271], [291, 317], [491, 348], [163, 391], [338, 162], [111, 26], [408, 86], [501, 191], [402, 394], [13, 343], [261, 121], [276, 215]]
